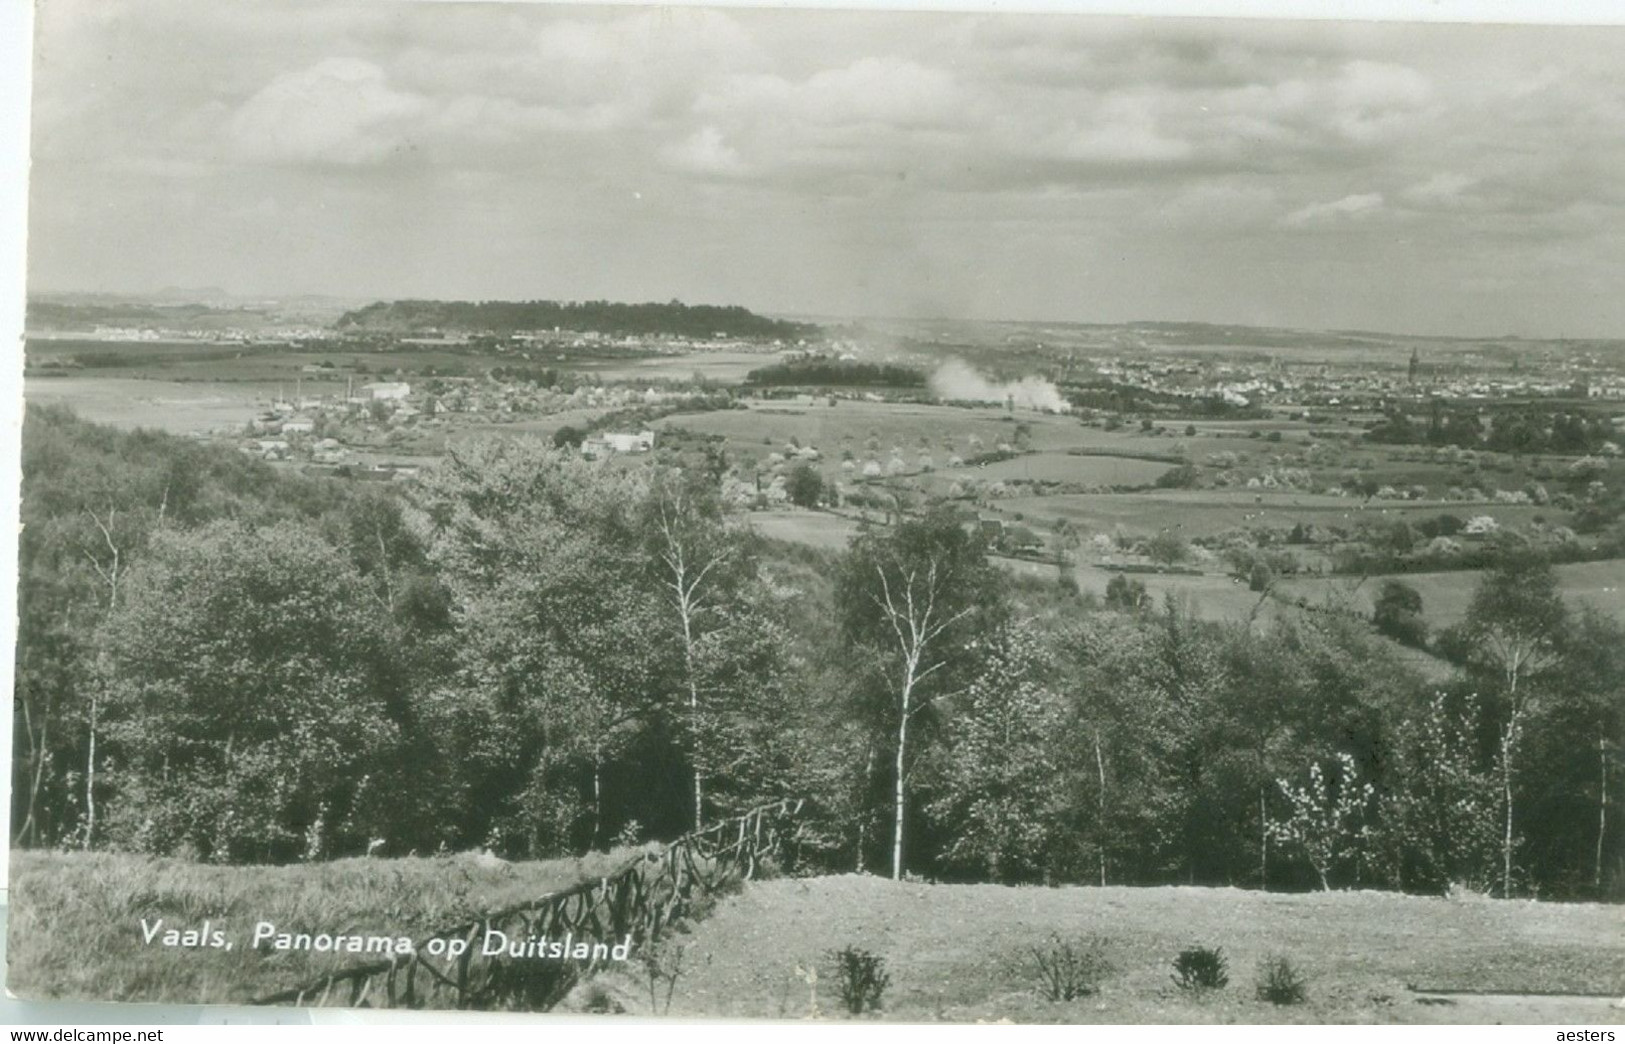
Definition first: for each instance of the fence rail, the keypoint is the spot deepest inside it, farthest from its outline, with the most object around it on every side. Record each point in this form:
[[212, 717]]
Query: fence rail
[[630, 908]]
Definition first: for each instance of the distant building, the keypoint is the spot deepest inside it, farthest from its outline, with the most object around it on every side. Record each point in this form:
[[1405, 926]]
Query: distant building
[[271, 449], [386, 390], [617, 442], [298, 426], [642, 442]]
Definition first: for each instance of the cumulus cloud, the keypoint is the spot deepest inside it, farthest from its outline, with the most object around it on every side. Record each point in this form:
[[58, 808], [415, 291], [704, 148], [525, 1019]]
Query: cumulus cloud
[[1125, 130], [339, 111], [1003, 164], [876, 90]]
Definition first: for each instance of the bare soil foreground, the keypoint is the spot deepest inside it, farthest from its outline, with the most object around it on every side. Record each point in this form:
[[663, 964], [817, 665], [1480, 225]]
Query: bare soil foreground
[[964, 953]]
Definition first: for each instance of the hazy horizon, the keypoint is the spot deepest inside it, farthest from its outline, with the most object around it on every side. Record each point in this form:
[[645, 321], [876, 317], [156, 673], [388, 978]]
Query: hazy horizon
[[1454, 181]]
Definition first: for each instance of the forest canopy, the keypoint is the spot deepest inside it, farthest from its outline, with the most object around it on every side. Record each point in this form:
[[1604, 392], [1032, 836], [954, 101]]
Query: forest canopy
[[537, 654]]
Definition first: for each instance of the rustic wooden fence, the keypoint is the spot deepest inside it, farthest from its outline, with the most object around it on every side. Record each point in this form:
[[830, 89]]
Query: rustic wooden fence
[[636, 904]]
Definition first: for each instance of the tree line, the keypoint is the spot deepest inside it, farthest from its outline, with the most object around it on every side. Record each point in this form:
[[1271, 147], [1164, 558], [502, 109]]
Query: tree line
[[836, 373], [1524, 429], [539, 655]]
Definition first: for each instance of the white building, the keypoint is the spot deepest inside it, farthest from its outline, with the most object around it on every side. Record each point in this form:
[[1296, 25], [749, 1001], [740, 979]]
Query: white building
[[617, 442], [386, 390]]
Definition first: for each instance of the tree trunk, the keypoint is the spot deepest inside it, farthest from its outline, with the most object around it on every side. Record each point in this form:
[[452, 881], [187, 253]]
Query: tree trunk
[[864, 809], [1508, 739], [1506, 797], [1100, 769], [36, 748], [90, 776], [597, 797], [1263, 842], [1602, 813], [899, 801], [693, 718]]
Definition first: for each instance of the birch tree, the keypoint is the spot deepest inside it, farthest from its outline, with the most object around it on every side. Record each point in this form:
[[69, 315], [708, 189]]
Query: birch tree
[[692, 554], [918, 594], [1515, 623]]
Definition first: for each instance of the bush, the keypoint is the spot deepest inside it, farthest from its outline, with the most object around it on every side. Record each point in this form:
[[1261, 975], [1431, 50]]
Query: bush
[[1067, 971], [861, 979], [1182, 477], [805, 486], [1281, 983], [1200, 968], [1398, 613]]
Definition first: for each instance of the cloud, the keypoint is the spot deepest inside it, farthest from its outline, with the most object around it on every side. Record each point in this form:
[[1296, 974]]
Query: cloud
[[1442, 191], [874, 90], [1125, 129], [1001, 154], [1348, 208], [339, 111], [704, 152]]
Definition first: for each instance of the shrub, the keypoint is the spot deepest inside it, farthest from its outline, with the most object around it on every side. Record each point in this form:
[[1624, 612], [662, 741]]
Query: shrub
[[1201, 968], [861, 979], [1182, 477], [1067, 971], [1279, 982]]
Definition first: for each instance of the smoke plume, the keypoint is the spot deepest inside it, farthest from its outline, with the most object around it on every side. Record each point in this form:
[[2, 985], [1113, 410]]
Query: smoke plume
[[956, 381]]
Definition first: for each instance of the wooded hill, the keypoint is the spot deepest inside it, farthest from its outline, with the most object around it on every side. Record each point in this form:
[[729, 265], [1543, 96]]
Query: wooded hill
[[606, 317]]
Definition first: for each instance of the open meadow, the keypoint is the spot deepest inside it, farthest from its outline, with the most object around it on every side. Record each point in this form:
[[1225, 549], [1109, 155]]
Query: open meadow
[[1079, 468], [178, 407], [1445, 596], [719, 367], [869, 428], [1207, 512], [965, 953]]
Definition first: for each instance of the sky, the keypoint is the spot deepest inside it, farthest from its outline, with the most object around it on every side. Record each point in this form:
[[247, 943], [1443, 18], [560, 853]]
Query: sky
[[1439, 179]]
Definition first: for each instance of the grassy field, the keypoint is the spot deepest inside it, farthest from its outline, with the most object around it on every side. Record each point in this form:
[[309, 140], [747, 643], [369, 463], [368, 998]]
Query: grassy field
[[1206, 512], [722, 367], [910, 427], [1064, 467], [75, 918], [963, 952], [1445, 596], [174, 406], [814, 528]]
